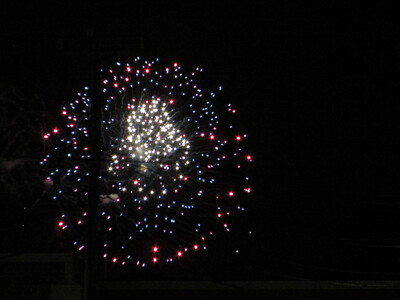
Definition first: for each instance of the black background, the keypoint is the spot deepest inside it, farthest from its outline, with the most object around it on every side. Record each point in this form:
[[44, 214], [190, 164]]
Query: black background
[[316, 86]]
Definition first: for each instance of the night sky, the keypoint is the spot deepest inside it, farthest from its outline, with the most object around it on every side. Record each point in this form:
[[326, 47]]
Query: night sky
[[316, 88]]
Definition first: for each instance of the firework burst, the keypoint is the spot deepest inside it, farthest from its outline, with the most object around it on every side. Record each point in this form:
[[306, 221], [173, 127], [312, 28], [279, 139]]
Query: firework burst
[[173, 168]]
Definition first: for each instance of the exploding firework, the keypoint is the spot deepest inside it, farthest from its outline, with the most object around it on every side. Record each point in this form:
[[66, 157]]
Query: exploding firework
[[173, 167]]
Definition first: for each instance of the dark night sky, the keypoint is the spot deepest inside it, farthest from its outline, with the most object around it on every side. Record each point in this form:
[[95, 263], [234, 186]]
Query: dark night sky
[[317, 90]]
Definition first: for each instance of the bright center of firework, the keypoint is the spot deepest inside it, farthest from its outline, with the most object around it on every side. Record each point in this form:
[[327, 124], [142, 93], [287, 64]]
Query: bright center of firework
[[154, 152]]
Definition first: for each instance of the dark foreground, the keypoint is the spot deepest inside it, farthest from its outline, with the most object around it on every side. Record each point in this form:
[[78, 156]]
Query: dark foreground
[[54, 277]]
